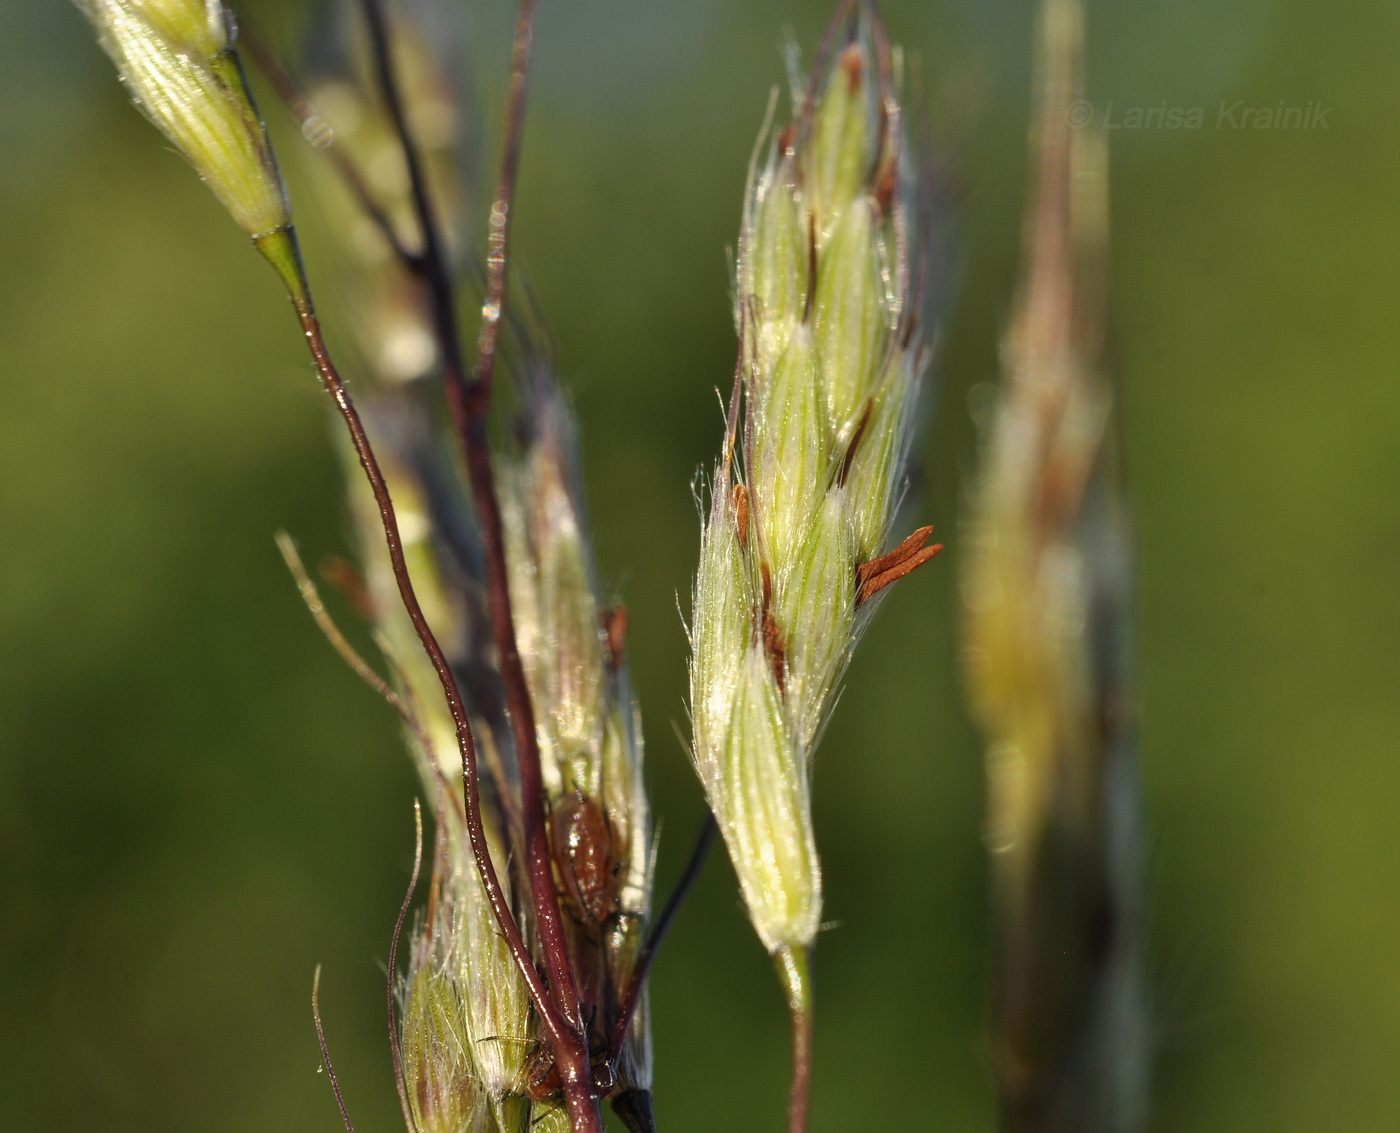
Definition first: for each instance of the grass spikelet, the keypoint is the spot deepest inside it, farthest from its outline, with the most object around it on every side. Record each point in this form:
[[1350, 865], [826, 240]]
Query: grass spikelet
[[1046, 651], [178, 62], [827, 389], [830, 365]]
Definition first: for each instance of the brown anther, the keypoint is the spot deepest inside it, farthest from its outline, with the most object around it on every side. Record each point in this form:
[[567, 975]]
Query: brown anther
[[883, 191], [741, 515], [852, 63], [811, 266], [874, 585], [771, 633], [346, 578], [855, 441], [868, 570], [786, 137], [777, 650], [615, 631]]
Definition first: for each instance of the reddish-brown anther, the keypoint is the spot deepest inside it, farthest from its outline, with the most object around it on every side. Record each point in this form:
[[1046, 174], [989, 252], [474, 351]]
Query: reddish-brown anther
[[770, 633], [868, 570], [855, 441], [346, 578], [874, 575], [882, 192], [811, 267], [741, 515]]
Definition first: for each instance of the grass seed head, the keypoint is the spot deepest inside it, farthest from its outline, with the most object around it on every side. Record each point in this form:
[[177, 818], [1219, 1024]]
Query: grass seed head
[[829, 375], [467, 1025]]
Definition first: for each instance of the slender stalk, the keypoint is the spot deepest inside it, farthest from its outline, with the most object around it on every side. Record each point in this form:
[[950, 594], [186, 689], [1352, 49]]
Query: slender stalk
[[326, 1051], [431, 263], [794, 969], [469, 407], [316, 130], [498, 240], [311, 597], [689, 876], [283, 253]]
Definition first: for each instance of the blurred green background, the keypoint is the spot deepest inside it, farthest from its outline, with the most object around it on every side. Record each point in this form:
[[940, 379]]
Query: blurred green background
[[198, 803]]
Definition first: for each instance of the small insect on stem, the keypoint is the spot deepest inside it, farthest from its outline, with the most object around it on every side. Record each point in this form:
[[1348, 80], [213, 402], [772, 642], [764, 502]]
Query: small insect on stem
[[541, 1074], [583, 856], [540, 1080]]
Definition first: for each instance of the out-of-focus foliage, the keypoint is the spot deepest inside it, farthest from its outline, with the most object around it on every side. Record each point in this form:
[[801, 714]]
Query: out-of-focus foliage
[[198, 803]]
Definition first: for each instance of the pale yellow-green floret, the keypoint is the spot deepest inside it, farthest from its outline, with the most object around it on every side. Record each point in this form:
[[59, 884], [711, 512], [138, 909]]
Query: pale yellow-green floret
[[766, 783], [445, 1096], [177, 62]]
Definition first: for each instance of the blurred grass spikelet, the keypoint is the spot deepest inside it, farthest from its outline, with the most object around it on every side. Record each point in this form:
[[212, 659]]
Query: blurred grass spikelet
[[1048, 656], [830, 364], [178, 62], [1025, 584], [338, 116], [446, 1098], [586, 723], [461, 976]]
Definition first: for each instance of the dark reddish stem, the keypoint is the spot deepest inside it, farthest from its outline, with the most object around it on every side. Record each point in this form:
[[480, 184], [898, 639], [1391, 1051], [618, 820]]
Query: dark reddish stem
[[287, 260], [800, 1089], [657, 936], [498, 238], [469, 407]]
